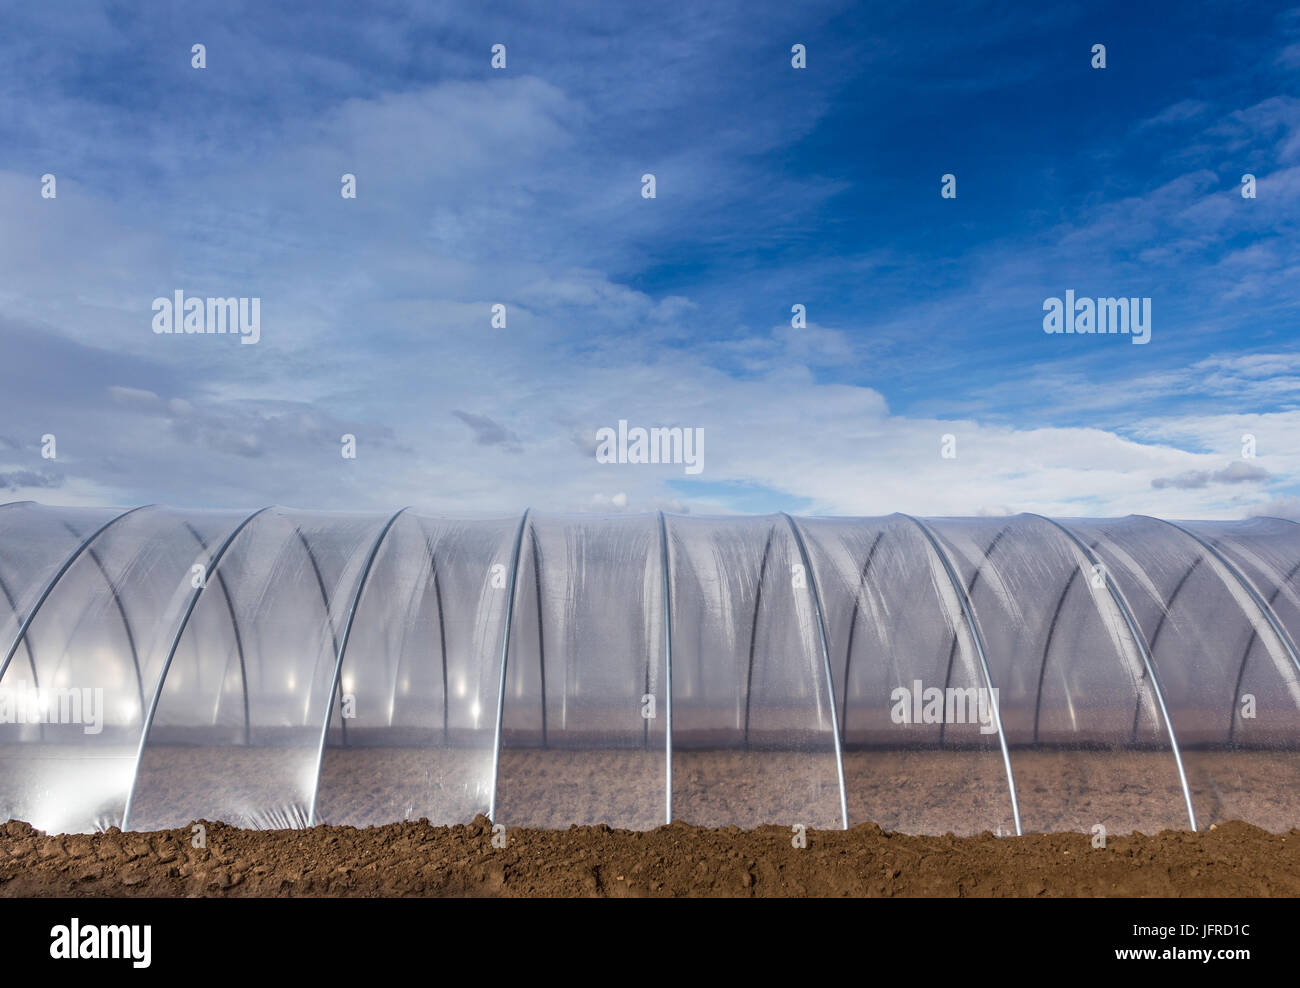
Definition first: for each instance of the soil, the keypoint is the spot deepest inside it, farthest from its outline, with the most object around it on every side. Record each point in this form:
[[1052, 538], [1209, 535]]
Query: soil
[[415, 859]]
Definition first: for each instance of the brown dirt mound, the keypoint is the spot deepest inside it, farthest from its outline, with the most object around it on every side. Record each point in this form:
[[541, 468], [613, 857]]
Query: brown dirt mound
[[415, 859]]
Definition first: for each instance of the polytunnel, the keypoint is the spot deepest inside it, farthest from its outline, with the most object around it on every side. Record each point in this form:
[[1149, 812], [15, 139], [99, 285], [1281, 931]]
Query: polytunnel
[[283, 668]]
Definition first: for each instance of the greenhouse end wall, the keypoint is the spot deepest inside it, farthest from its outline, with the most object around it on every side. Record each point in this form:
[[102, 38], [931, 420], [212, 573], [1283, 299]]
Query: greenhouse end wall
[[282, 669]]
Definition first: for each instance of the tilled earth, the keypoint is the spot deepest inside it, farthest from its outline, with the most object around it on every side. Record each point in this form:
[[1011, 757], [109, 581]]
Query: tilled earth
[[415, 859]]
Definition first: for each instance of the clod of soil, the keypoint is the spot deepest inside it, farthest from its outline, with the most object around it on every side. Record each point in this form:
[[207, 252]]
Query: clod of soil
[[415, 859]]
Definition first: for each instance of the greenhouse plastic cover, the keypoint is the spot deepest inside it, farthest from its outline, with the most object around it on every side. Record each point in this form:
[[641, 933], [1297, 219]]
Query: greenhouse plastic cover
[[284, 668]]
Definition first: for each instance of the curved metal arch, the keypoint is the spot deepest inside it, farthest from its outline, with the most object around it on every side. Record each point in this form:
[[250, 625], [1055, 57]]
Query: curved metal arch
[[1051, 634], [442, 641], [649, 676], [665, 570], [234, 627], [1250, 643], [1047, 643], [1148, 664], [85, 614], [126, 623], [214, 560], [320, 582], [13, 607], [1254, 634], [49, 587], [1047, 646], [1265, 610], [505, 656], [753, 628], [325, 602], [541, 634], [442, 635], [826, 664], [362, 579], [1165, 610], [853, 624], [970, 590], [968, 612]]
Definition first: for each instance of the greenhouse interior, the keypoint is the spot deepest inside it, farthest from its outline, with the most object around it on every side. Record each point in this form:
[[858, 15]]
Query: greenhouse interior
[[283, 669]]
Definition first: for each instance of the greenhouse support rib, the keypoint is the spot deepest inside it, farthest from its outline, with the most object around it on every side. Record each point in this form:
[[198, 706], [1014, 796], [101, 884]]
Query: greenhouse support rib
[[505, 655], [826, 664], [13, 607], [1246, 585], [753, 629], [442, 631], [541, 637], [442, 645], [1166, 609], [325, 603], [54, 580], [121, 611], [1245, 653], [960, 590], [853, 624], [668, 670], [1147, 661], [1047, 646], [214, 561], [239, 638], [970, 595], [362, 580]]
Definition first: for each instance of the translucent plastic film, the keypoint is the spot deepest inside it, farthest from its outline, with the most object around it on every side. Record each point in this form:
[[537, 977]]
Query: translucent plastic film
[[279, 668], [86, 662], [901, 648], [583, 734], [413, 732], [752, 708], [1211, 602]]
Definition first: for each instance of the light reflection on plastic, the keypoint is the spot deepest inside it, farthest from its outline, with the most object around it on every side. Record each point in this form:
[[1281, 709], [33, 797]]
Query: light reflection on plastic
[[81, 784]]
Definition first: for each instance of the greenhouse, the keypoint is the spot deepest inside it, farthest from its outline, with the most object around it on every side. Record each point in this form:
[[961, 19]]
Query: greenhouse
[[281, 668]]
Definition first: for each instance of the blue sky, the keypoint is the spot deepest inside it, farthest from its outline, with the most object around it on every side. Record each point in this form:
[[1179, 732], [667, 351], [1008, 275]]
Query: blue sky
[[775, 186]]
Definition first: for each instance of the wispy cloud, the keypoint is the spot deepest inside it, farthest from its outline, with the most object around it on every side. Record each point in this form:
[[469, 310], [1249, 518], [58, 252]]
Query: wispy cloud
[[521, 188]]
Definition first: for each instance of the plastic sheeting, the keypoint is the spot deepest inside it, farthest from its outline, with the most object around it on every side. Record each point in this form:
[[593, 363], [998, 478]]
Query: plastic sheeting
[[281, 668]]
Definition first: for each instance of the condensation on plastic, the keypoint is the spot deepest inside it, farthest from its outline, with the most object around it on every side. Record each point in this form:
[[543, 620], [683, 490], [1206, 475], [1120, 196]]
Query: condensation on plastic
[[285, 668]]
